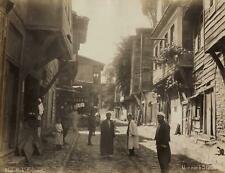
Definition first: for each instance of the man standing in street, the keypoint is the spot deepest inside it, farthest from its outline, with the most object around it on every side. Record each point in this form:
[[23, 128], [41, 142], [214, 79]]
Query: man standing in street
[[107, 136], [66, 121], [91, 126], [40, 114], [132, 135], [162, 138]]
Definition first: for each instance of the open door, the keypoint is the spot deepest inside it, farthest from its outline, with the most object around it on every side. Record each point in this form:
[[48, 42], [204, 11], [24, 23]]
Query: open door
[[209, 118]]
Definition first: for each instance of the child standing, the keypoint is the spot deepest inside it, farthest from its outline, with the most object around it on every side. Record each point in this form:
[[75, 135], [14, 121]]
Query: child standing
[[59, 134]]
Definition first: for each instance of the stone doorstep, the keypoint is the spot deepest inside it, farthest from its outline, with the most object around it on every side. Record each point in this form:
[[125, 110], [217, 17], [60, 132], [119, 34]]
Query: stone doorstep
[[15, 160], [8, 157], [6, 153]]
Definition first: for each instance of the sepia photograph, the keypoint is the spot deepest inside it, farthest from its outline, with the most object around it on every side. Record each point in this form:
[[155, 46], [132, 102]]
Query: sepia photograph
[[112, 86]]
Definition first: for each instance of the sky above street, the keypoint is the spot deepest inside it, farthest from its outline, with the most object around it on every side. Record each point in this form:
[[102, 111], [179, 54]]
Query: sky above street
[[110, 21]]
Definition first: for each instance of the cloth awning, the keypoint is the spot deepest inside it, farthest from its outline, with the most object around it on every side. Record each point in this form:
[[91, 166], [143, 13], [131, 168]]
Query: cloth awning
[[67, 89]]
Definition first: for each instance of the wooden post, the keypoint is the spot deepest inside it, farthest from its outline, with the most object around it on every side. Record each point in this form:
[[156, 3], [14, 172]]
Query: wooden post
[[3, 22]]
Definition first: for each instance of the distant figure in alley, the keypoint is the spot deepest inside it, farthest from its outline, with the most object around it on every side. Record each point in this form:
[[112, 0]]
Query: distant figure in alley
[[107, 136], [59, 134], [162, 138], [132, 135], [91, 126]]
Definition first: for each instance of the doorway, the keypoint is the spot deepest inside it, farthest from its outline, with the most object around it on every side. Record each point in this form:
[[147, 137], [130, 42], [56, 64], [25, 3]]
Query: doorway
[[10, 120], [209, 120]]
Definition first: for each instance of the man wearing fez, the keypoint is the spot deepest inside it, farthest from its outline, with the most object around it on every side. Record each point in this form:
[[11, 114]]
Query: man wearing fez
[[162, 138], [107, 136]]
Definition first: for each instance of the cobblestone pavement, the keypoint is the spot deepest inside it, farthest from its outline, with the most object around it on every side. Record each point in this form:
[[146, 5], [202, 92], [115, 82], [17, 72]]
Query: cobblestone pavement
[[86, 159], [51, 161]]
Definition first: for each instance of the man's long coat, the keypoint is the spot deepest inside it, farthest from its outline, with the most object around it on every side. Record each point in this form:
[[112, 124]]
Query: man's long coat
[[107, 136], [162, 138], [132, 135]]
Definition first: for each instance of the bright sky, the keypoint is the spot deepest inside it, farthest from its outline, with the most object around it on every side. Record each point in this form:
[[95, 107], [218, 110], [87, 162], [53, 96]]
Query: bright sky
[[110, 21]]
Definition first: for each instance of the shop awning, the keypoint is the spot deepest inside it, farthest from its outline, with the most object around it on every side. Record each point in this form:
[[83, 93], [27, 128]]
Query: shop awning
[[67, 89]]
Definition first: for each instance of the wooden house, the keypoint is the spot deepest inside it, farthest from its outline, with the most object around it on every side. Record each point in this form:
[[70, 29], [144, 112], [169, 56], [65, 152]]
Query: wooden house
[[206, 112], [173, 62]]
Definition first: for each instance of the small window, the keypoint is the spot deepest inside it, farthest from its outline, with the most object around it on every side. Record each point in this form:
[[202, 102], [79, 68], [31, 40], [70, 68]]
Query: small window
[[175, 108], [156, 51], [172, 35], [166, 40], [210, 8], [155, 66], [161, 45], [211, 3]]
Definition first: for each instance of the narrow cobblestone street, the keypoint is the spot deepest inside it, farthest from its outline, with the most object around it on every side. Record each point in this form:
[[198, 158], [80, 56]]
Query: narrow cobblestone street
[[87, 159]]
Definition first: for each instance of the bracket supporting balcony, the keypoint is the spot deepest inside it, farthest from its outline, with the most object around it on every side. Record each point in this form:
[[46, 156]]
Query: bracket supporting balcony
[[218, 62]]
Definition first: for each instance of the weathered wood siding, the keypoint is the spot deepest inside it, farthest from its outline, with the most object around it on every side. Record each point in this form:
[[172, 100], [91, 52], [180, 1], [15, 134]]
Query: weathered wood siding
[[204, 71], [214, 23], [214, 29]]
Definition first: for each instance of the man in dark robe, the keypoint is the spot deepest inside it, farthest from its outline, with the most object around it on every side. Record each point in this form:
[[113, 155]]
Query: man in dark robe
[[162, 138], [91, 126], [107, 136]]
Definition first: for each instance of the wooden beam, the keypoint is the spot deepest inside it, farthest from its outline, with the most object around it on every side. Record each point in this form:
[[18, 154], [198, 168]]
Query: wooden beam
[[218, 62]]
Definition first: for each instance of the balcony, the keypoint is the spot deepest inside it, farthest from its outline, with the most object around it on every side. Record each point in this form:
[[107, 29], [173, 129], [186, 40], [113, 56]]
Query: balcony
[[162, 73], [172, 59], [80, 26], [49, 30]]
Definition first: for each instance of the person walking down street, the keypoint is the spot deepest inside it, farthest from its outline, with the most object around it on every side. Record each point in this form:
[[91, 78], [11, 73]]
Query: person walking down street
[[91, 127], [75, 119], [59, 134], [132, 135], [162, 138], [107, 136], [40, 114], [98, 118]]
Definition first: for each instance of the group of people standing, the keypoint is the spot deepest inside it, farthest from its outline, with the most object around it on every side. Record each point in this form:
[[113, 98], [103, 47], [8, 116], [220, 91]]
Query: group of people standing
[[107, 129], [162, 137]]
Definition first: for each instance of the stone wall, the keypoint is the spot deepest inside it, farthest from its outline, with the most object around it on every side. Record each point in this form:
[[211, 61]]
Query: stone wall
[[220, 106]]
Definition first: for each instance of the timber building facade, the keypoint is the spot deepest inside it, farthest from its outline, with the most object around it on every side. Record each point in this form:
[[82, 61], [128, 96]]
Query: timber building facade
[[40, 38], [188, 70]]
